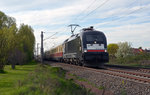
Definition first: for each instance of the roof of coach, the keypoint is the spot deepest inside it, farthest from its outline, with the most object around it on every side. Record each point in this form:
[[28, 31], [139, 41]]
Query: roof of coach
[[60, 45]]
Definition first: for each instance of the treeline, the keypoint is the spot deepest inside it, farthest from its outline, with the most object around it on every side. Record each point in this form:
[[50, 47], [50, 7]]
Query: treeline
[[16, 44], [124, 53]]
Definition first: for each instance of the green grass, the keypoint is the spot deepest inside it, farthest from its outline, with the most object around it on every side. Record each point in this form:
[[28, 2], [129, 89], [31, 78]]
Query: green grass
[[82, 79], [46, 80], [38, 80], [9, 79], [78, 78]]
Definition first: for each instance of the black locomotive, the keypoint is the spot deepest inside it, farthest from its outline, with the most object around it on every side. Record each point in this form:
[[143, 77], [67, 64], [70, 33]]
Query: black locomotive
[[89, 47]]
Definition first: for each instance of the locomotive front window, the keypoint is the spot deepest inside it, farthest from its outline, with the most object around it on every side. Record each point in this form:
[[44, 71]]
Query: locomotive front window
[[91, 38]]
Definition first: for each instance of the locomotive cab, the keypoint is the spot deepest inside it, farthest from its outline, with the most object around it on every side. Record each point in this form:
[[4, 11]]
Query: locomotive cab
[[94, 48]]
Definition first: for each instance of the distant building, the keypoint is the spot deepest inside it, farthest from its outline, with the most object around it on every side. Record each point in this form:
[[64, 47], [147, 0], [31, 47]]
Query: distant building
[[136, 50], [146, 50]]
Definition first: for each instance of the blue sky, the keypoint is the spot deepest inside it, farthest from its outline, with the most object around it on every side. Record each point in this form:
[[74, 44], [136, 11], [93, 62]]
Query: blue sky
[[120, 20]]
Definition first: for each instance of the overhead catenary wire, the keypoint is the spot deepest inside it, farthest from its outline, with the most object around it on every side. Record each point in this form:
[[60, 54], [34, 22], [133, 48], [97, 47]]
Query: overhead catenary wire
[[91, 12], [50, 36], [94, 10], [59, 32], [104, 4], [121, 9], [83, 11], [133, 10], [122, 17]]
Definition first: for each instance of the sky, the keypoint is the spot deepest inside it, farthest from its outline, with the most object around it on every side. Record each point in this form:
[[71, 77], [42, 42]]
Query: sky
[[119, 20]]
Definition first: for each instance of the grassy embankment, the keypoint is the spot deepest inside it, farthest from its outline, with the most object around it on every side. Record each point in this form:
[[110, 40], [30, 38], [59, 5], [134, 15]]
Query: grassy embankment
[[38, 80], [138, 60]]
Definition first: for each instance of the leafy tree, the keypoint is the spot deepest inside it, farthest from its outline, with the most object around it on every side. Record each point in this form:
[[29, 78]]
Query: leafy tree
[[123, 50], [112, 49], [3, 48], [5, 24], [22, 45], [27, 40], [12, 46], [6, 21], [3, 19], [16, 45]]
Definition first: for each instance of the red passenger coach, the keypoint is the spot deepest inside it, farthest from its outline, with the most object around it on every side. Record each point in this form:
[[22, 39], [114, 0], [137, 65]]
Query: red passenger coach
[[56, 53]]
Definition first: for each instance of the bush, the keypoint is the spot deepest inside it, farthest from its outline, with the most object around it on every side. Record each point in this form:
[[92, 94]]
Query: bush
[[137, 58], [123, 50], [112, 50]]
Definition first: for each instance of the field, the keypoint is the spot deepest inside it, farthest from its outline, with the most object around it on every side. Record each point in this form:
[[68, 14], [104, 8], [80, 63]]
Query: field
[[9, 79], [38, 80]]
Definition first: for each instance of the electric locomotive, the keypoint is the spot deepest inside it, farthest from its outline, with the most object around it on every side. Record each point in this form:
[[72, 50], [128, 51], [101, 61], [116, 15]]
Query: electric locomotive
[[88, 48]]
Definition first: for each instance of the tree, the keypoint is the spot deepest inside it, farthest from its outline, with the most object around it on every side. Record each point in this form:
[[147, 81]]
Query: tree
[[22, 45], [3, 49], [112, 50], [6, 21], [123, 50], [12, 45], [27, 40], [16, 45], [5, 24]]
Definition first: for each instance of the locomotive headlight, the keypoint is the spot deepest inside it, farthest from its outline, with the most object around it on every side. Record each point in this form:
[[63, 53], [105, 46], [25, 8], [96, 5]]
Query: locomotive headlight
[[105, 50], [85, 50]]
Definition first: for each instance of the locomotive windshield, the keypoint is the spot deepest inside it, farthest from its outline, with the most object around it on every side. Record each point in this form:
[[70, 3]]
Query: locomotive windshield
[[94, 37]]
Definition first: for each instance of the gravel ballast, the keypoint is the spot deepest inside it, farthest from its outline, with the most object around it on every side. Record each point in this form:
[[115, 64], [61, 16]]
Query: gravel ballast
[[119, 86]]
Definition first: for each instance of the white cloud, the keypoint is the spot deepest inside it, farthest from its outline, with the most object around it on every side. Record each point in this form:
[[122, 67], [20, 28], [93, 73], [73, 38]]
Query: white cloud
[[55, 15], [137, 34], [47, 17]]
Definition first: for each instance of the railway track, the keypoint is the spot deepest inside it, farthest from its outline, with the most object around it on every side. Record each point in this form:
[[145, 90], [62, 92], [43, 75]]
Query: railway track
[[130, 72], [144, 78], [143, 70], [138, 69], [130, 75]]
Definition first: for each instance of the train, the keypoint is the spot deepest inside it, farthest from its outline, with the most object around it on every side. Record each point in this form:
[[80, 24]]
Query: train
[[87, 48]]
